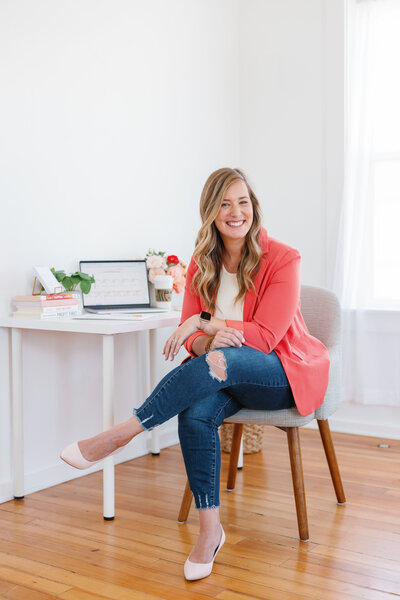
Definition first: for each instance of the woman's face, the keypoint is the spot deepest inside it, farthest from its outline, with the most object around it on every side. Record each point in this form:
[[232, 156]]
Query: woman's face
[[235, 216]]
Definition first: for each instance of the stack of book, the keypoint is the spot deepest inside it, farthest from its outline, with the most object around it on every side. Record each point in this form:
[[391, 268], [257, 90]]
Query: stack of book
[[48, 306]]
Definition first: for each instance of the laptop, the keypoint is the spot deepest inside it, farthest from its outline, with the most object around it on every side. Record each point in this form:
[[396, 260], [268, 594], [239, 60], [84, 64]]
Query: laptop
[[121, 286]]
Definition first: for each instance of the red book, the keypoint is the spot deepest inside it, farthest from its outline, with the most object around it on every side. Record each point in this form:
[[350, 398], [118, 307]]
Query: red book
[[41, 297]]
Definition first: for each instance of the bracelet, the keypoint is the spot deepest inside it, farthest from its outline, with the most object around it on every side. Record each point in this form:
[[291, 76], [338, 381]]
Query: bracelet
[[208, 343]]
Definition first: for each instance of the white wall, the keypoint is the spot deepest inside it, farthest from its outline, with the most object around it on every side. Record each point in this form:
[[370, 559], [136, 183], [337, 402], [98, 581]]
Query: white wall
[[292, 67], [112, 115], [291, 60]]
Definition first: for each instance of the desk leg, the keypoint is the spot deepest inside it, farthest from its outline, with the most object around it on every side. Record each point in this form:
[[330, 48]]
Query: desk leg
[[155, 434], [17, 413], [240, 458], [108, 421]]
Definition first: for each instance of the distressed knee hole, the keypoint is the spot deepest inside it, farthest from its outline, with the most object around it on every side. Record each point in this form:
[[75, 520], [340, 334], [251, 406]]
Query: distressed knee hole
[[216, 362]]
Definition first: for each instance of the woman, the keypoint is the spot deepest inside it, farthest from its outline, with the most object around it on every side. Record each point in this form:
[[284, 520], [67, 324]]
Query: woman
[[249, 347]]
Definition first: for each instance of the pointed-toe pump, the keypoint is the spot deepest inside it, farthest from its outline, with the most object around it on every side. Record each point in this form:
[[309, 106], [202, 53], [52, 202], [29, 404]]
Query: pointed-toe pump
[[73, 457], [195, 571]]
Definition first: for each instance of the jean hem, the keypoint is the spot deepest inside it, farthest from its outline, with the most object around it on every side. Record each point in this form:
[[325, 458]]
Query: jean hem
[[208, 507], [141, 422]]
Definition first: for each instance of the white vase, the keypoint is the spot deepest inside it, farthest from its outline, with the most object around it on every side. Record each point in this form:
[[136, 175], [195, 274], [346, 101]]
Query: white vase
[[177, 301], [77, 295]]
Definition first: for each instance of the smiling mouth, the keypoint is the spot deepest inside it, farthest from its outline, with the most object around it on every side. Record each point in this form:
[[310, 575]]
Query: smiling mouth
[[235, 223]]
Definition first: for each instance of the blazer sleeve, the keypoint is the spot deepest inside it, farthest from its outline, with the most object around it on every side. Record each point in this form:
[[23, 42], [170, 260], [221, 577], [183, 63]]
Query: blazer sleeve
[[277, 307], [191, 306]]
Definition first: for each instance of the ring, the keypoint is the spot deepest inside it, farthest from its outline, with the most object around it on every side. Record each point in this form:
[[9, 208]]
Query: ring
[[173, 340]]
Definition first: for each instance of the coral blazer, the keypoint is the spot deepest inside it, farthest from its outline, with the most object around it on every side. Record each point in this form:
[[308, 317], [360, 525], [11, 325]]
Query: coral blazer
[[273, 321]]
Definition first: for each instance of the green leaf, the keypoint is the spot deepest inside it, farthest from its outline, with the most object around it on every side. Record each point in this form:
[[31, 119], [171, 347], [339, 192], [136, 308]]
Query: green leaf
[[59, 275], [75, 279], [85, 276], [85, 286], [67, 282]]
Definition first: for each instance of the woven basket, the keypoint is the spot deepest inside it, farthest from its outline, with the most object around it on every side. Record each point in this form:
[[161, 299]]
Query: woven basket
[[252, 437]]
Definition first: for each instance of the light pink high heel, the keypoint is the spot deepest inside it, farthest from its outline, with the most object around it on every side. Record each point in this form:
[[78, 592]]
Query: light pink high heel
[[195, 571], [73, 457]]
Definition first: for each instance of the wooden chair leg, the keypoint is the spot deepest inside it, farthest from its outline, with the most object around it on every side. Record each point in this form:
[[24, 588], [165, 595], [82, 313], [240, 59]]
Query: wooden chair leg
[[233, 461], [331, 458], [185, 504], [298, 481]]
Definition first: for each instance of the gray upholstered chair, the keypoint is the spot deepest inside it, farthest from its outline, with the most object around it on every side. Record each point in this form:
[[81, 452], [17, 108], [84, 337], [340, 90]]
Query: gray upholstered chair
[[321, 311]]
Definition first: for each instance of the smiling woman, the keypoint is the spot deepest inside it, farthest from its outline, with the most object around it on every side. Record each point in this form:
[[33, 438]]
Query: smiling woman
[[229, 236], [235, 216], [248, 345]]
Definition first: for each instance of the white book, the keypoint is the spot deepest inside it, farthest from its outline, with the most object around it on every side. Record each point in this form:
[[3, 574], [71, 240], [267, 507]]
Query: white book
[[51, 310], [38, 315]]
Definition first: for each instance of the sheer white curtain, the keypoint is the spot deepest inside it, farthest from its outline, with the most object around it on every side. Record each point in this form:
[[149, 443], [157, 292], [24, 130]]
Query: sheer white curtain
[[367, 270]]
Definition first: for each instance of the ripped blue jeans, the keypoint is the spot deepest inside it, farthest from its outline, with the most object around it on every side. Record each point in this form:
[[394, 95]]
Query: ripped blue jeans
[[204, 391]]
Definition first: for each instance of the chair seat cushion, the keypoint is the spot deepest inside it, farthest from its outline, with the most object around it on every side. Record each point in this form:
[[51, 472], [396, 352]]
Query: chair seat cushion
[[288, 417]]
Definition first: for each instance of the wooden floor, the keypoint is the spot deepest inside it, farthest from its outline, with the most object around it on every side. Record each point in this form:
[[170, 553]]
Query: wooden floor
[[55, 544]]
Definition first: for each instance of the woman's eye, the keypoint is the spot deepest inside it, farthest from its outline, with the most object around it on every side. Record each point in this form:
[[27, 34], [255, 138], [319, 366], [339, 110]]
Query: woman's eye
[[243, 202], [224, 204]]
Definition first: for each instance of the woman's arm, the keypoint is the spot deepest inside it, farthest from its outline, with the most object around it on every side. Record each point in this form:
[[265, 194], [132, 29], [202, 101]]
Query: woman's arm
[[224, 337], [194, 333]]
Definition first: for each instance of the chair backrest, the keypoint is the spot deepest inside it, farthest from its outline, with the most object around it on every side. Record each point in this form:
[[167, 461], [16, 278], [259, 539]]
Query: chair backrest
[[322, 314], [321, 311]]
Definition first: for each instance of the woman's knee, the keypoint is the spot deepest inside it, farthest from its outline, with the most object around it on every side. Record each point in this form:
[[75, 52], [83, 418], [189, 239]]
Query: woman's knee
[[223, 362], [216, 361]]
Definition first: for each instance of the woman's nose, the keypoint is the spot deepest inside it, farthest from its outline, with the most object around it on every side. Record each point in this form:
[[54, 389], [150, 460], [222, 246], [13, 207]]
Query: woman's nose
[[235, 210]]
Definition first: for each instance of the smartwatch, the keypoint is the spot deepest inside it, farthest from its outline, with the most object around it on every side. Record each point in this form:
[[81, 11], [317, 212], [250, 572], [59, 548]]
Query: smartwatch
[[205, 316]]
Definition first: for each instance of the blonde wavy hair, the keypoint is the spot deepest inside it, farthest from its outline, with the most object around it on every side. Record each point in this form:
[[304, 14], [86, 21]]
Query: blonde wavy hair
[[209, 245]]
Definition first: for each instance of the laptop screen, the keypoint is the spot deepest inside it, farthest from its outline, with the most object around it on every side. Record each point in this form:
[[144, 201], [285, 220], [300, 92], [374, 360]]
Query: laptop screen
[[118, 284]]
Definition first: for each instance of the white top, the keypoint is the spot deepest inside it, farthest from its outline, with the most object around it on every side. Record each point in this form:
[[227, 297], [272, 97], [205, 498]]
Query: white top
[[226, 307]]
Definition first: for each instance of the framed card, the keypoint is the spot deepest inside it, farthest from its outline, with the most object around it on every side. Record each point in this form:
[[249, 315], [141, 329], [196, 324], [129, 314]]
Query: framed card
[[48, 281]]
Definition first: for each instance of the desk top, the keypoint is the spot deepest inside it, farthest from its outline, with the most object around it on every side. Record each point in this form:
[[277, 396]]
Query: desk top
[[100, 327]]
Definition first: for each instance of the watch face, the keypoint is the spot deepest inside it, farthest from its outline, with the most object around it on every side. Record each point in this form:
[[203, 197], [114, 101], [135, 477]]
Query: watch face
[[205, 316]]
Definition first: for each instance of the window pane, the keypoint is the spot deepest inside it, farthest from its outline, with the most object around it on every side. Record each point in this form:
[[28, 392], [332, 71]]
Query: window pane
[[386, 78], [386, 284]]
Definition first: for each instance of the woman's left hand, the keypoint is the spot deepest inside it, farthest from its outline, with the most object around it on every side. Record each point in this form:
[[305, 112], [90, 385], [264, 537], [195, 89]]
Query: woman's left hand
[[179, 337]]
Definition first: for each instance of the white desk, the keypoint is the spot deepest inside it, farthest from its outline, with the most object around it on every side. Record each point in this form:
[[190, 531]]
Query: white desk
[[108, 330]]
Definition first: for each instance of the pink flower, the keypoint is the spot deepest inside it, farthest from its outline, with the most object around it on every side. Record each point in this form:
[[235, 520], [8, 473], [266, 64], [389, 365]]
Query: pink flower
[[178, 274], [155, 262], [153, 272]]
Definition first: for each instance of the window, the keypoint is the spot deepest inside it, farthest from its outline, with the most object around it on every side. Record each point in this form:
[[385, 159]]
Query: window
[[385, 154]]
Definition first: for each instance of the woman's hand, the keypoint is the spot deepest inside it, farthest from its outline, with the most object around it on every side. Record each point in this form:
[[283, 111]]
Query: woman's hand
[[226, 337], [179, 337]]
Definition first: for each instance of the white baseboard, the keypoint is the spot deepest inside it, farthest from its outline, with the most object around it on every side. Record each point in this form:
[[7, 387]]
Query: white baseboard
[[60, 473], [361, 419]]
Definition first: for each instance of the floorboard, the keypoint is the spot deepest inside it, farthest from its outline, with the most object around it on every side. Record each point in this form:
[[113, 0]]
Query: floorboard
[[56, 545]]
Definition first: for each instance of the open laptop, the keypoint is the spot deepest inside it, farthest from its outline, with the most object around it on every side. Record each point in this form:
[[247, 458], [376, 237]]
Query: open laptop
[[121, 286]]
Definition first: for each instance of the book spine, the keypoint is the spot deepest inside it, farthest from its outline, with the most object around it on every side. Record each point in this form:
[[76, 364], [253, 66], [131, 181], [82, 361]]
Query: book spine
[[44, 316], [66, 302], [42, 297], [51, 310]]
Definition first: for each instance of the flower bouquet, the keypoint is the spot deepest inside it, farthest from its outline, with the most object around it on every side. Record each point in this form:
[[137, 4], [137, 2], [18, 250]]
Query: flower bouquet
[[159, 264]]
